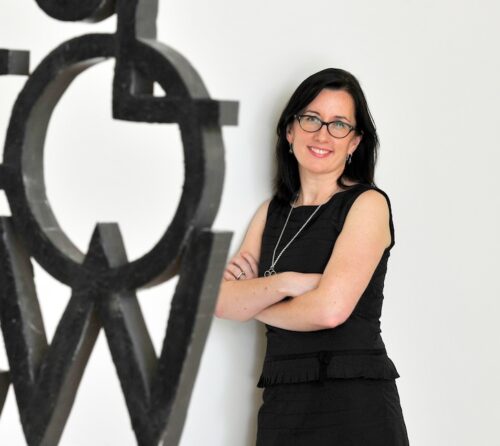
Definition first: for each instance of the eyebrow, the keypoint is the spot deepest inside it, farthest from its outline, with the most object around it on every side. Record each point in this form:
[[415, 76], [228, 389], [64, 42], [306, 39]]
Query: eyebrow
[[336, 116]]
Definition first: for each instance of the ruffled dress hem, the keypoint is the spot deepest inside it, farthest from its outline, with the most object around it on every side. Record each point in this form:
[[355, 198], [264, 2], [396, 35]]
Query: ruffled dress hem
[[319, 368]]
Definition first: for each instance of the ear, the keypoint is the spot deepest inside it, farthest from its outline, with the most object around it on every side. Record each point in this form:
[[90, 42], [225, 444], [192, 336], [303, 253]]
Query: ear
[[355, 143], [289, 133]]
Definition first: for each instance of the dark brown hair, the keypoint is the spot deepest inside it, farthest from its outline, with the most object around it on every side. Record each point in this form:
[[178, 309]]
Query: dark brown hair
[[362, 166]]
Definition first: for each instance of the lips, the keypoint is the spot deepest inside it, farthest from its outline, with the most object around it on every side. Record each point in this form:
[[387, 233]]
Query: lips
[[319, 152]]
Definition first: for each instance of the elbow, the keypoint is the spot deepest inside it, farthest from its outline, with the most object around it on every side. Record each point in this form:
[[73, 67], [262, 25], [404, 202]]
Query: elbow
[[219, 310], [333, 318], [218, 306], [218, 313]]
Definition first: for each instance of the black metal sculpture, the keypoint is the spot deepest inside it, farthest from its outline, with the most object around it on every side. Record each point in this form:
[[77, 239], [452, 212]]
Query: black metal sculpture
[[103, 282]]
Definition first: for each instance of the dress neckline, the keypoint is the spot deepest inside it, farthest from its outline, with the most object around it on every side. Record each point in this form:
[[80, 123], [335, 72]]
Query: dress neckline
[[308, 206]]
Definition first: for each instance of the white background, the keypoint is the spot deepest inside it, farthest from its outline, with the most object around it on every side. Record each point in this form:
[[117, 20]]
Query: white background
[[431, 73]]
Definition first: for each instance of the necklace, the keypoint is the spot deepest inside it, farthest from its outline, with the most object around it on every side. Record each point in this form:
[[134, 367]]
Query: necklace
[[271, 270]]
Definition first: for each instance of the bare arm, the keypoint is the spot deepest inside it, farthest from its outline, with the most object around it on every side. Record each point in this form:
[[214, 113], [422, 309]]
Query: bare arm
[[244, 298], [241, 300], [356, 254]]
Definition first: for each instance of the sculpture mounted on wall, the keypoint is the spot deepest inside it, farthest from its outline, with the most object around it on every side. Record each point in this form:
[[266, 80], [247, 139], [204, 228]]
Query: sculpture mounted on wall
[[46, 377]]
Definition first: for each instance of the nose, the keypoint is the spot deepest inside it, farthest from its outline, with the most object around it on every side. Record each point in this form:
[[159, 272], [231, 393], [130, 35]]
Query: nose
[[322, 134]]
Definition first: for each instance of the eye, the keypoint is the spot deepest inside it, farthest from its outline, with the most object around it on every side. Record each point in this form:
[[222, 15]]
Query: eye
[[309, 118], [339, 125]]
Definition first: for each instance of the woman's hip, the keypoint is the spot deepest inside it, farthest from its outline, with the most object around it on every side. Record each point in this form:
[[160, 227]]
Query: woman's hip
[[347, 410]]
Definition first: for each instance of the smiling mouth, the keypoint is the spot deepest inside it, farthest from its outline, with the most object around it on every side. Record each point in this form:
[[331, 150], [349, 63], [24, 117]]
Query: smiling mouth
[[319, 152]]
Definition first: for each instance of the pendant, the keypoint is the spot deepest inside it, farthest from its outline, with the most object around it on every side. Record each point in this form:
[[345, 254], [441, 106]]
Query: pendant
[[269, 272]]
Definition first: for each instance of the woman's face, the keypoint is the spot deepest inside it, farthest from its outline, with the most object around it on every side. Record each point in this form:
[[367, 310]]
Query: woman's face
[[320, 152]]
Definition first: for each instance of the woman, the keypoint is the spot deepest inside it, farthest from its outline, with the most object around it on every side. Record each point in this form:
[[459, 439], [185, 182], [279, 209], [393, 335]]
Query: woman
[[312, 268]]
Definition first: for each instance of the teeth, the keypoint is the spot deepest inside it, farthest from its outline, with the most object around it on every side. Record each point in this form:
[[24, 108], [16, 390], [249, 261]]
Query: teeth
[[319, 151]]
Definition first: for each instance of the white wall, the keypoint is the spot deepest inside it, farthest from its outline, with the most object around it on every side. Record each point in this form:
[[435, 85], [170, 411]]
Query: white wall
[[430, 70]]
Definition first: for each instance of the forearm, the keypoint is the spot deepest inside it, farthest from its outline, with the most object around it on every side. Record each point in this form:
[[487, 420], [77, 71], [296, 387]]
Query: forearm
[[241, 300], [310, 311]]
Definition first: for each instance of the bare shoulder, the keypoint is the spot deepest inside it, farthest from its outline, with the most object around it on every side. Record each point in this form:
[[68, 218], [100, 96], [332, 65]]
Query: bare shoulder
[[371, 201], [261, 213], [253, 237], [370, 212]]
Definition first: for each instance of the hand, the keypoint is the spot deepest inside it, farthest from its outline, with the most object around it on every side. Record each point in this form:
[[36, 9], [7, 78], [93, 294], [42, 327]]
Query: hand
[[243, 261], [300, 283]]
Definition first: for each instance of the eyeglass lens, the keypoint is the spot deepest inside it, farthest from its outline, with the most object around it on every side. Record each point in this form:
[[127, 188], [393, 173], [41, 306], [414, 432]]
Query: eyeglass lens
[[313, 124]]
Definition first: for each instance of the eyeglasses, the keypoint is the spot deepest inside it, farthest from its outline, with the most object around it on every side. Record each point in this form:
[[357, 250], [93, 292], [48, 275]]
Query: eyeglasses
[[311, 124]]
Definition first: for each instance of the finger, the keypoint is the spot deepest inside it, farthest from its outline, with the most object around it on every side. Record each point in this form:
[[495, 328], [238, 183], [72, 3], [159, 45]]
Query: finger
[[236, 271], [249, 255], [242, 265], [230, 272], [228, 275], [252, 262]]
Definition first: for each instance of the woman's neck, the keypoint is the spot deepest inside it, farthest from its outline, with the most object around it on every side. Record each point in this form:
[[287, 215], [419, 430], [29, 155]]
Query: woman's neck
[[313, 193]]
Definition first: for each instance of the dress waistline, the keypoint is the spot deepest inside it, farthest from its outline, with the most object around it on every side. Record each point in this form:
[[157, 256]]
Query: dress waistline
[[325, 356]]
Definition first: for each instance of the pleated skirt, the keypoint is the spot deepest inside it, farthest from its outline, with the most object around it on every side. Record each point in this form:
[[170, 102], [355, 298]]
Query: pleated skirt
[[336, 412]]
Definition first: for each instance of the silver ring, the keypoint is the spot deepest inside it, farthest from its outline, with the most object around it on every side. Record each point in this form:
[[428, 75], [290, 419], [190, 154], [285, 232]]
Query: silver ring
[[240, 274]]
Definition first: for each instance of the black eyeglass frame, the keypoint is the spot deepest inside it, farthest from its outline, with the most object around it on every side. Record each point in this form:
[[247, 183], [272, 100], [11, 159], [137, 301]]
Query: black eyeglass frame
[[351, 128]]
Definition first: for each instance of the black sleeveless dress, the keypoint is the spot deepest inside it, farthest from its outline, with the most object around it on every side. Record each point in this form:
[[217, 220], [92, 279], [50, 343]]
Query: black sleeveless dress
[[336, 386]]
